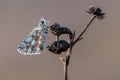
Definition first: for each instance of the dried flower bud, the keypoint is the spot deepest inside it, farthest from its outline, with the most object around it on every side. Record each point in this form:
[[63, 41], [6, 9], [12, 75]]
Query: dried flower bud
[[58, 46], [57, 30], [96, 11]]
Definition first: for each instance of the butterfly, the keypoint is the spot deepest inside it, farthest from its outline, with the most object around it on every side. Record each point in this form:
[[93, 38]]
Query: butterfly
[[34, 42]]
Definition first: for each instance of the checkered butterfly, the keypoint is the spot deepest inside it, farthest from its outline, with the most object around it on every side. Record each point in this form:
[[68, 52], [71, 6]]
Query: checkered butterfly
[[33, 44]]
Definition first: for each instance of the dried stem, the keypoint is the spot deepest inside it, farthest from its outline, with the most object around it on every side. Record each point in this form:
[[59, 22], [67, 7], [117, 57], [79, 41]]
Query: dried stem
[[80, 36], [69, 51]]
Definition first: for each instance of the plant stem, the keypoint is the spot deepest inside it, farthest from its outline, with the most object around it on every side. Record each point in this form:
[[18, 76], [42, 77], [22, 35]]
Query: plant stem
[[80, 36], [69, 51], [65, 71], [66, 62]]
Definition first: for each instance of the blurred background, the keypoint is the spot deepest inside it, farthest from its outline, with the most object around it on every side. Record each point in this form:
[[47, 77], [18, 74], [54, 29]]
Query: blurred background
[[96, 57]]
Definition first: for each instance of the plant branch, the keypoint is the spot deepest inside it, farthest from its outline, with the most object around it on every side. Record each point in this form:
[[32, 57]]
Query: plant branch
[[69, 51], [97, 13], [67, 58], [80, 36]]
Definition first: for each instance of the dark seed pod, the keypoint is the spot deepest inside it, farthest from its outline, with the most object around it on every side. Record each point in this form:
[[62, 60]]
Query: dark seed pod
[[97, 11], [58, 47], [57, 30]]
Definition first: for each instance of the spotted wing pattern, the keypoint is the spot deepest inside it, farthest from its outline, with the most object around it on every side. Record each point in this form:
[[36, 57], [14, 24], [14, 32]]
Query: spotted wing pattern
[[33, 44]]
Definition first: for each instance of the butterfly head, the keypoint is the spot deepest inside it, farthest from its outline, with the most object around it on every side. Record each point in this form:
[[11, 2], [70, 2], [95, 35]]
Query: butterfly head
[[42, 21]]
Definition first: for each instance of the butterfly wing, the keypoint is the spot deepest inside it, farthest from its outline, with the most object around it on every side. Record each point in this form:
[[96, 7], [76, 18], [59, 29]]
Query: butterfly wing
[[31, 45]]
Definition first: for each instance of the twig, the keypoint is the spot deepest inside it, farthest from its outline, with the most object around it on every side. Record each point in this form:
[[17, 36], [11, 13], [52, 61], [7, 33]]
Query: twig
[[69, 51], [97, 13], [79, 37]]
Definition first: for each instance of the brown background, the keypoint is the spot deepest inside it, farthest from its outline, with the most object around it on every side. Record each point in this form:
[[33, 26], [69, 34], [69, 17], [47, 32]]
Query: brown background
[[96, 57]]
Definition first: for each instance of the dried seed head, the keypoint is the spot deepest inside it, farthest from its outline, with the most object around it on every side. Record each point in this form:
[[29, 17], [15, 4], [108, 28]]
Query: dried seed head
[[96, 11], [58, 30], [58, 47]]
